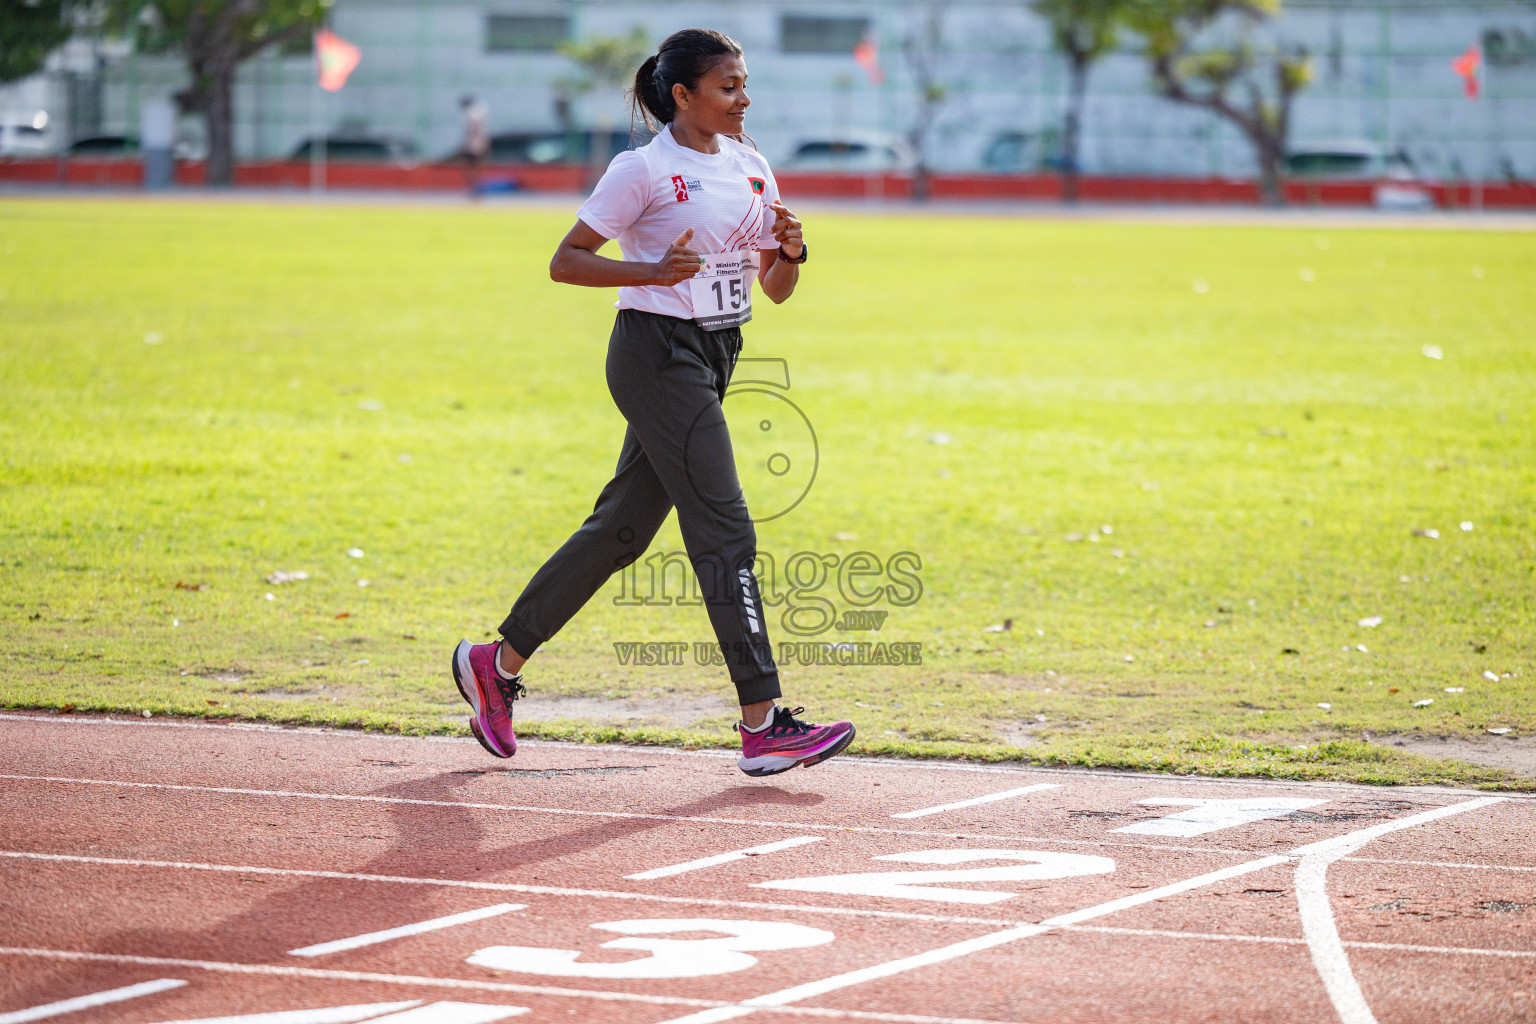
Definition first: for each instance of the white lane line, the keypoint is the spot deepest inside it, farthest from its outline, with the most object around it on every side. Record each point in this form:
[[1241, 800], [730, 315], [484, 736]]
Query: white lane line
[[847, 763], [356, 941], [723, 858], [798, 908], [1336, 847], [973, 801], [1469, 950], [1439, 864], [810, 990], [1285, 941], [808, 826], [453, 1013], [272, 970], [1317, 923], [535, 890], [115, 995], [319, 1015]]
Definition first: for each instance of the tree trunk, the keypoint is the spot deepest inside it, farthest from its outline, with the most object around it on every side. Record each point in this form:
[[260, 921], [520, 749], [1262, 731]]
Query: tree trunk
[[918, 139], [1268, 151], [1077, 88], [219, 112]]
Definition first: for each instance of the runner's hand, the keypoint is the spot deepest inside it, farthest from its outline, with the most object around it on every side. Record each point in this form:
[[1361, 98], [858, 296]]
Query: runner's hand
[[787, 230], [680, 263]]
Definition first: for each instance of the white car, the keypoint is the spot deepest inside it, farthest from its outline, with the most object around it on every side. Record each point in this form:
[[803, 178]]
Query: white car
[[857, 153], [27, 135], [1398, 183]]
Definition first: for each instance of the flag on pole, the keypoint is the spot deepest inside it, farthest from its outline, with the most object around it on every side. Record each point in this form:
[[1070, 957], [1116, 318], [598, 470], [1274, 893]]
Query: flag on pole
[[1469, 66], [335, 58], [867, 56]]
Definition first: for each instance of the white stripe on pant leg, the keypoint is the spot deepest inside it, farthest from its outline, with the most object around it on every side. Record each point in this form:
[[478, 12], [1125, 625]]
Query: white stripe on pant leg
[[115, 995]]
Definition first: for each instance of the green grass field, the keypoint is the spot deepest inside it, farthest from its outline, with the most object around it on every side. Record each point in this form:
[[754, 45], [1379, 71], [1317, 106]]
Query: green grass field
[[1185, 462]]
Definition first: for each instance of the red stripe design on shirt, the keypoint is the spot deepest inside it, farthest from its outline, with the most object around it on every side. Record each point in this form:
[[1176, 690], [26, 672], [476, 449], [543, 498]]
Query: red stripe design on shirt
[[745, 242]]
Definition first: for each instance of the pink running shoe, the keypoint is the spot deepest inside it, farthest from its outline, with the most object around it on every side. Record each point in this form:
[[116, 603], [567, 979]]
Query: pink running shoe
[[474, 670], [787, 741]]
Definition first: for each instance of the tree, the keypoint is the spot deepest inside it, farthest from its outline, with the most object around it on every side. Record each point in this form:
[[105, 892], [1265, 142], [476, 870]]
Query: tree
[[605, 62], [216, 37], [1253, 90], [29, 29], [923, 48], [1083, 30]]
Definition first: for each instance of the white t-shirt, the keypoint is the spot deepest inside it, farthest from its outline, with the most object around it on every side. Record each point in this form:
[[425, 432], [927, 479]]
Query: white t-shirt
[[651, 195]]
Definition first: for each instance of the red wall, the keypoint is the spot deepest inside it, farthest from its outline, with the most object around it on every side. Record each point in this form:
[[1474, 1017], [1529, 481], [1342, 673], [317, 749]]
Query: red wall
[[282, 174]]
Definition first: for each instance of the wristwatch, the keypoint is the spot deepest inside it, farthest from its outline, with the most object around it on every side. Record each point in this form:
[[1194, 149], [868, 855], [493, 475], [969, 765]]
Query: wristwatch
[[804, 249]]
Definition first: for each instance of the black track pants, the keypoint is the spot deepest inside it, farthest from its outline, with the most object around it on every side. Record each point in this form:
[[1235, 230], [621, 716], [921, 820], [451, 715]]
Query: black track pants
[[668, 377]]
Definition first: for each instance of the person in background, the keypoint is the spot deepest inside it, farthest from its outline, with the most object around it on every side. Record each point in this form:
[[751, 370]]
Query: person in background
[[477, 141]]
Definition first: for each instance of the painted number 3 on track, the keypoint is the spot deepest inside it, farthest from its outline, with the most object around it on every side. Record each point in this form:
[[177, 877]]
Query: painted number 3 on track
[[699, 957]]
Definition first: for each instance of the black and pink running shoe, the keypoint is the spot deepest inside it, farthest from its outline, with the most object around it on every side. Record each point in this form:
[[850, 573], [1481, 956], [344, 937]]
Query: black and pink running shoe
[[787, 742], [491, 696]]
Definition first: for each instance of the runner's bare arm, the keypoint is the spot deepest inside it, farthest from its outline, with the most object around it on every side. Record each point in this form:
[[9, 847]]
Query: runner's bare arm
[[776, 277], [576, 262]]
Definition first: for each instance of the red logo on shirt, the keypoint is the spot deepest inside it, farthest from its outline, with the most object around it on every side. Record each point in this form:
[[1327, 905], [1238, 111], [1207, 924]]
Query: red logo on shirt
[[681, 187], [758, 185]]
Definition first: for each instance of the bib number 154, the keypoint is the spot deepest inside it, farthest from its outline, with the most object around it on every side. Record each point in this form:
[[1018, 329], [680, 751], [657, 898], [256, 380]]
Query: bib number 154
[[722, 289]]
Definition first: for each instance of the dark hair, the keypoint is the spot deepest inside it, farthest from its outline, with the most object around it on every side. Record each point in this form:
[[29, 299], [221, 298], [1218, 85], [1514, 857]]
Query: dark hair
[[682, 57]]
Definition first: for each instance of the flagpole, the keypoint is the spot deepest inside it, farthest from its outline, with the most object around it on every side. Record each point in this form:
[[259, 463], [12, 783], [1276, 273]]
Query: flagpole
[[316, 143]]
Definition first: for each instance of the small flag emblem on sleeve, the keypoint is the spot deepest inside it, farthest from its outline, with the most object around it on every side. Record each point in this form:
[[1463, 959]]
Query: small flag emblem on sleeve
[[758, 185]]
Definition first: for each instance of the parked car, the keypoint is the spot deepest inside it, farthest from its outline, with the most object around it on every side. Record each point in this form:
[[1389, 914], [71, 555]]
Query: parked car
[[27, 136], [104, 145], [1399, 184], [555, 147], [855, 153], [1012, 153], [351, 147]]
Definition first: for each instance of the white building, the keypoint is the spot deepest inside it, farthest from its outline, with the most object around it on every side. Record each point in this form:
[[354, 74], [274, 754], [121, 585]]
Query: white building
[[1382, 76]]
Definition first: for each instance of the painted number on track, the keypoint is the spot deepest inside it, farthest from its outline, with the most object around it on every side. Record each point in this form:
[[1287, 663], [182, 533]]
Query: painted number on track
[[926, 885], [670, 958]]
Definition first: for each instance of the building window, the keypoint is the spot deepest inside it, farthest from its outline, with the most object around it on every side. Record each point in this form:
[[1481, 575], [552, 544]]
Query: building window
[[805, 34], [525, 33]]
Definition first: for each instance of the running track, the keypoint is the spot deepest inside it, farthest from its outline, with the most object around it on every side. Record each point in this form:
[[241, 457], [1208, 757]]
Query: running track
[[156, 871]]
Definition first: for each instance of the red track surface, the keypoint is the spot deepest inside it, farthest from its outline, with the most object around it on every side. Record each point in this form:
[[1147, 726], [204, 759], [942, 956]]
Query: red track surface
[[134, 851]]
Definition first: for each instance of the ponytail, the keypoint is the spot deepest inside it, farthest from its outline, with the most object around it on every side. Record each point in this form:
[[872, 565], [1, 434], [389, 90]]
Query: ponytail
[[682, 58]]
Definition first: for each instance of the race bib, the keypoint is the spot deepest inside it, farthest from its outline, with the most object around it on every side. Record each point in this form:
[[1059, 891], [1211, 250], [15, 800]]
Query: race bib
[[722, 289]]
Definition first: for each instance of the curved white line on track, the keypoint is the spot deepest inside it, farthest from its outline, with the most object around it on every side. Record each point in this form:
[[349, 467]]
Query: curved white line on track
[[1317, 923]]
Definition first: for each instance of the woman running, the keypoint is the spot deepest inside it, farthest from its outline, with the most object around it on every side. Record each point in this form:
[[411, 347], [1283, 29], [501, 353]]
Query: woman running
[[698, 218]]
